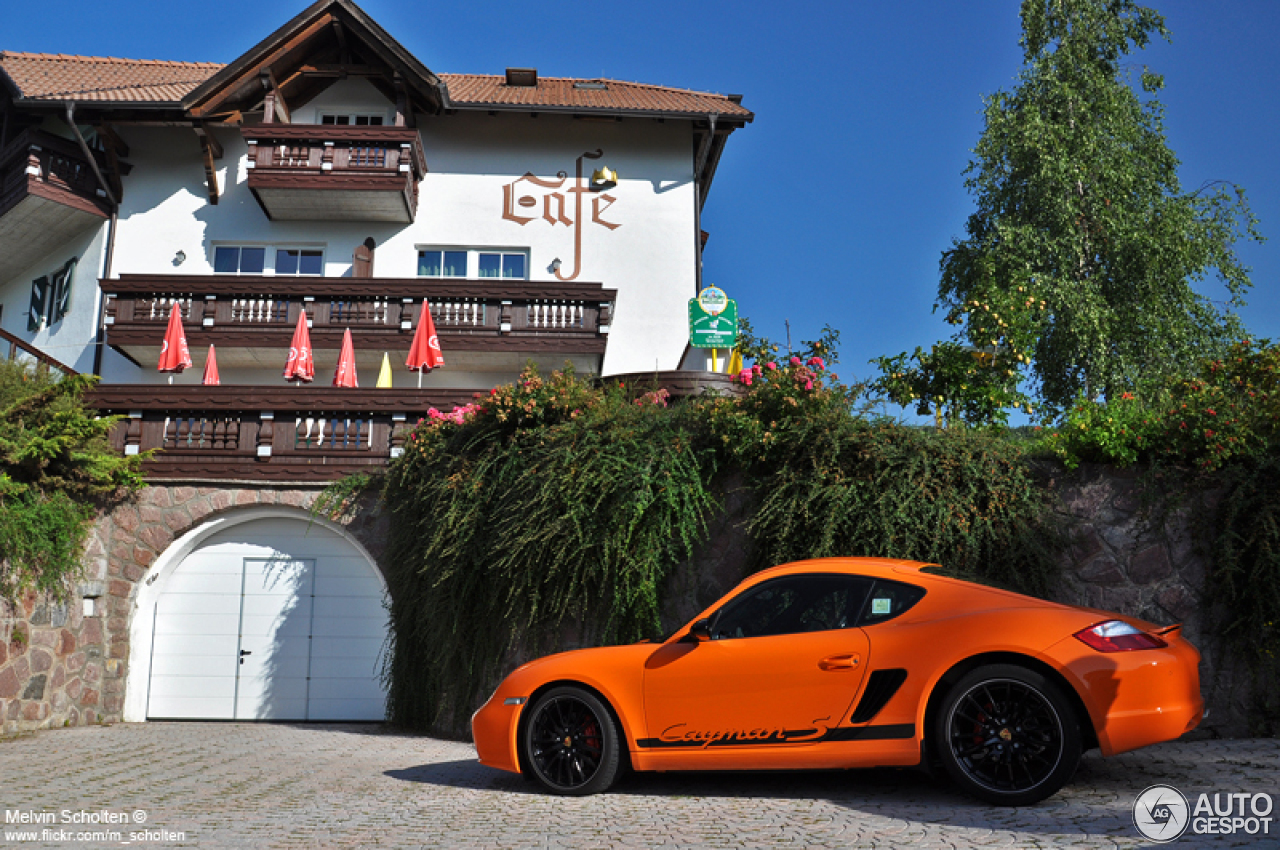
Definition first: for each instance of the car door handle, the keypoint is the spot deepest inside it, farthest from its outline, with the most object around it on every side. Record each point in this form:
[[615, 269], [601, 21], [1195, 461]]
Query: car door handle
[[838, 662], [243, 653]]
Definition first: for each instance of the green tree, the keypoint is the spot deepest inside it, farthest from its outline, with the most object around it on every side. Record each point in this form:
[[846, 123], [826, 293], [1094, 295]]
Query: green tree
[[56, 467], [1080, 261]]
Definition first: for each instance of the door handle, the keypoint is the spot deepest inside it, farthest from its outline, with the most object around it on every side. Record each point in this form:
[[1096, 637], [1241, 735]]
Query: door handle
[[243, 653], [838, 662]]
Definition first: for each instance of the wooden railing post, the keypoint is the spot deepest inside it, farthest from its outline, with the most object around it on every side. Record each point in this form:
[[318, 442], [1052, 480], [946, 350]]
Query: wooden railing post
[[266, 434]]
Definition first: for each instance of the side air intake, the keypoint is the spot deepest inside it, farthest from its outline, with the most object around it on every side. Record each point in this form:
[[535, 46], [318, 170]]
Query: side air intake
[[881, 686]]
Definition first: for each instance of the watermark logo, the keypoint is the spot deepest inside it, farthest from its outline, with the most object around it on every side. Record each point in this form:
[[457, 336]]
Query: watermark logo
[[1161, 813]]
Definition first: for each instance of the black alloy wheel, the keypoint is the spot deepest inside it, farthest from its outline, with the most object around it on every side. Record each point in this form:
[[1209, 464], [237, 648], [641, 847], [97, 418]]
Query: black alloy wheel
[[571, 743], [1007, 735]]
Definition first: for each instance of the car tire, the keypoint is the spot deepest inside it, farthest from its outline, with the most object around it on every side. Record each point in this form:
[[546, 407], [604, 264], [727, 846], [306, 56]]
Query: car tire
[[571, 743], [1007, 735]]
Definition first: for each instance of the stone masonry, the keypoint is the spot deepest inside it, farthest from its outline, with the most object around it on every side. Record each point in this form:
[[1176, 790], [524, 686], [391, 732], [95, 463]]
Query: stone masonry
[[61, 665]]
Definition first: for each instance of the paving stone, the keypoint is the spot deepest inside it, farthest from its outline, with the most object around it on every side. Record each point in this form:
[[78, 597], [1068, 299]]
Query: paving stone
[[245, 785]]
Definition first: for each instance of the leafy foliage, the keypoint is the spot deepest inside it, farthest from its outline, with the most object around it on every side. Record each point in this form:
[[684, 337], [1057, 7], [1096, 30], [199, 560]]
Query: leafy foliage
[[957, 383], [56, 466], [960, 498], [1081, 256], [1244, 582], [1227, 411], [555, 508]]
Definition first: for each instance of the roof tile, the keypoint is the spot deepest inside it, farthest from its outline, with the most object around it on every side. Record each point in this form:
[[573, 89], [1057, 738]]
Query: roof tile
[[561, 92], [57, 77]]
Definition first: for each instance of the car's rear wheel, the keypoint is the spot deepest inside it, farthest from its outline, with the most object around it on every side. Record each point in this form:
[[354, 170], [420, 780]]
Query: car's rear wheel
[[1007, 735], [571, 743]]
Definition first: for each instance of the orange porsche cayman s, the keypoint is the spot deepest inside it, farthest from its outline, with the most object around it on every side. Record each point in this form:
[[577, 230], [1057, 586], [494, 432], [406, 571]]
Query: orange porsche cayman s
[[853, 662]]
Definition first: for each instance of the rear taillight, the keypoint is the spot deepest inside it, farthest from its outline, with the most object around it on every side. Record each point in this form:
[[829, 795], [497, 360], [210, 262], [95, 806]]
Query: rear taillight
[[1118, 636]]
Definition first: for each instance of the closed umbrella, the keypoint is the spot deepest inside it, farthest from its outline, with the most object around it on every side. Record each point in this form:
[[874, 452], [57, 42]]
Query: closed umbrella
[[174, 356], [384, 374], [424, 353], [211, 378], [345, 374], [301, 365]]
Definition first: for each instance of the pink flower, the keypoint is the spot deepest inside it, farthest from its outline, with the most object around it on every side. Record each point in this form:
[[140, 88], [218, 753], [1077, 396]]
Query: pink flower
[[795, 361], [756, 368], [771, 366], [817, 361], [808, 385]]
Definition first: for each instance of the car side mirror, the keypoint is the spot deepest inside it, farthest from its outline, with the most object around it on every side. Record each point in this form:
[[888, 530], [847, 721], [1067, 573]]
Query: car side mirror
[[701, 630]]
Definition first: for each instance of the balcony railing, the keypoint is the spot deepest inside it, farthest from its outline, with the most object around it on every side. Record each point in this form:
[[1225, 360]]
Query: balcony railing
[[261, 312], [48, 194], [265, 433], [309, 172]]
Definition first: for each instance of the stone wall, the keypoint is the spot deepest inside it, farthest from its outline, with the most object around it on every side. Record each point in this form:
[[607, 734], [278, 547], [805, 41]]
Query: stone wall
[[1143, 552], [64, 664]]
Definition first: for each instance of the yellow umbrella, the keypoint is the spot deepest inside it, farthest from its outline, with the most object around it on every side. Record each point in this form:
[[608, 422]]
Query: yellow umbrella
[[735, 362], [384, 376]]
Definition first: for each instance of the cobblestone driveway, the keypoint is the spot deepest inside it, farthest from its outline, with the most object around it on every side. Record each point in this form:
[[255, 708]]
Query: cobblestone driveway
[[259, 785]]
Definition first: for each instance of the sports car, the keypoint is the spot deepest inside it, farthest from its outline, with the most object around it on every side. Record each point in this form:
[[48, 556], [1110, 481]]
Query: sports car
[[852, 663]]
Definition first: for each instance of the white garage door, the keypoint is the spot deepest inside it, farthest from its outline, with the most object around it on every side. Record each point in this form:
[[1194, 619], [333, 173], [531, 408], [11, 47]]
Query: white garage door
[[274, 619]]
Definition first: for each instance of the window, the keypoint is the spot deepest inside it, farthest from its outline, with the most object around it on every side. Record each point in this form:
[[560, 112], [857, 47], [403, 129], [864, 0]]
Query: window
[[791, 604], [298, 261], [233, 259], [888, 600], [442, 263], [473, 263], [252, 259], [502, 265], [352, 120]]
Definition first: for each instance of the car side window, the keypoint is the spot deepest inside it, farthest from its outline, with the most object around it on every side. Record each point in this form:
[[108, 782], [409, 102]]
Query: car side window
[[887, 600], [791, 604]]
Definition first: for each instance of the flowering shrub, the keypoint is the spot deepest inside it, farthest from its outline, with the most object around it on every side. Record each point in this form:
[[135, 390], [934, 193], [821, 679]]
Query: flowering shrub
[[1229, 411]]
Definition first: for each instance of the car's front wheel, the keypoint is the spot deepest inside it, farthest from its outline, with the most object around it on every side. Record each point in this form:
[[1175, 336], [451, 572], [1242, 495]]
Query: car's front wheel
[[571, 743], [1007, 735]]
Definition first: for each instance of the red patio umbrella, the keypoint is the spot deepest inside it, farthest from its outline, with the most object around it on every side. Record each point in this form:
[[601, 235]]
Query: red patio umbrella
[[345, 374], [211, 378], [174, 356], [424, 353], [301, 366]]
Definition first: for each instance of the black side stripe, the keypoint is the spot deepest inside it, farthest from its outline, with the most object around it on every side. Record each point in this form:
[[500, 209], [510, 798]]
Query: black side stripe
[[891, 732]]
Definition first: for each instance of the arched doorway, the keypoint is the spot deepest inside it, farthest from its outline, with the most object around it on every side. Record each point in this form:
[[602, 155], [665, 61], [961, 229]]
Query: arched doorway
[[262, 615]]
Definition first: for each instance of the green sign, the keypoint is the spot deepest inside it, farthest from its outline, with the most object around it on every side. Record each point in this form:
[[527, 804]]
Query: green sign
[[707, 330]]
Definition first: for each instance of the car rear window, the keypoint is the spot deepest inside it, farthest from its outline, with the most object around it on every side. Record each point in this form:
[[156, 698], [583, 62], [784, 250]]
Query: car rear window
[[887, 600]]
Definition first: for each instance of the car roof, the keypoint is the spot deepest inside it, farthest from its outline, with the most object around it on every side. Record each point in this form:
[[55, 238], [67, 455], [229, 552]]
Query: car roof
[[878, 567]]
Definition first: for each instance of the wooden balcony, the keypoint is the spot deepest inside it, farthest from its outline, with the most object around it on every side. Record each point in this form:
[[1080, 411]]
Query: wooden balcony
[[251, 319], [265, 433], [324, 172], [48, 195]]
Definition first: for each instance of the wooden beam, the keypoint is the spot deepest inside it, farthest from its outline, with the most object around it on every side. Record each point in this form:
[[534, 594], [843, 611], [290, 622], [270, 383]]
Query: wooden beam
[[210, 173], [108, 135], [340, 32], [229, 87], [207, 140], [275, 97]]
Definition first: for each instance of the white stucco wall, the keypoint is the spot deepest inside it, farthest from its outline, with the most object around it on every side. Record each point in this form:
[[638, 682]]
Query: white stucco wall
[[649, 258]]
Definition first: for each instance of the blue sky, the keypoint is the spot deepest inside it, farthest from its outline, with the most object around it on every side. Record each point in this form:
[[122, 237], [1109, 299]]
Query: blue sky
[[836, 204]]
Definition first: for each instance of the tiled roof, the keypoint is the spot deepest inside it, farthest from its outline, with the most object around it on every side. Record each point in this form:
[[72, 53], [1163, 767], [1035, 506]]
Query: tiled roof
[[572, 94], [56, 76]]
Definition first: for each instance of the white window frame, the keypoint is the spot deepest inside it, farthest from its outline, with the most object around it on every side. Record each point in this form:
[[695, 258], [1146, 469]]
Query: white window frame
[[269, 258], [352, 116], [473, 253]]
